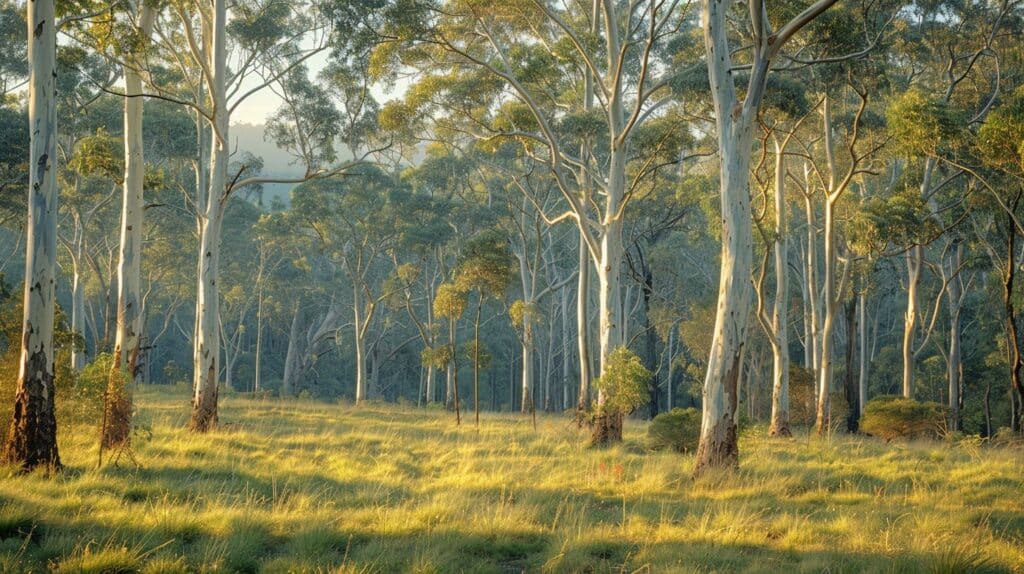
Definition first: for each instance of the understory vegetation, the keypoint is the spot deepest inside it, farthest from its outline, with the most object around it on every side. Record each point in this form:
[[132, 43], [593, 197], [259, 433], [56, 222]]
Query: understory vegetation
[[304, 486]]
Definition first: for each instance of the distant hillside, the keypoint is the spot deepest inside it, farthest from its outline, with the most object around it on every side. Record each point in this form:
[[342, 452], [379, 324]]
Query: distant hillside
[[276, 161]]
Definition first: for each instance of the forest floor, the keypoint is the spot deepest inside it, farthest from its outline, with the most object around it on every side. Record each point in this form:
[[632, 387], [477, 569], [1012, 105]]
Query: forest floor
[[302, 486]]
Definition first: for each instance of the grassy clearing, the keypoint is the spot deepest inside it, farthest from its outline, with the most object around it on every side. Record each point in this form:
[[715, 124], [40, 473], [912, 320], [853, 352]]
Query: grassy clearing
[[308, 487]]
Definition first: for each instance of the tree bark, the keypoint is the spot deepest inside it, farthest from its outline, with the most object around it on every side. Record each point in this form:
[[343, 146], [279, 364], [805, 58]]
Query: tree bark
[[582, 343], [780, 317], [862, 324], [853, 413], [954, 367], [207, 344], [1013, 343], [32, 435], [118, 400], [915, 260]]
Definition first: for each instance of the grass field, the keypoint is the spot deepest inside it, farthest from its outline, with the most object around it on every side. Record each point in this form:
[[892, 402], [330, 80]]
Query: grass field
[[308, 487]]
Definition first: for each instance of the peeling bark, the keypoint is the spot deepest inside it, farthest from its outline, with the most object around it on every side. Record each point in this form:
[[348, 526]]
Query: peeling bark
[[32, 435]]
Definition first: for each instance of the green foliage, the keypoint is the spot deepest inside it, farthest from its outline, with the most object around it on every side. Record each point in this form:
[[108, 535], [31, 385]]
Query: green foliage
[[99, 155], [85, 398], [519, 310], [923, 126], [1000, 140], [449, 301], [891, 417], [624, 381], [73, 402], [678, 429], [439, 357], [486, 265]]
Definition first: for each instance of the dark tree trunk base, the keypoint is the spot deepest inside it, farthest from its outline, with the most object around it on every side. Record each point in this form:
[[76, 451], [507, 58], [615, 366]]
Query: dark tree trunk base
[[780, 431], [32, 436], [204, 412], [720, 451], [607, 428]]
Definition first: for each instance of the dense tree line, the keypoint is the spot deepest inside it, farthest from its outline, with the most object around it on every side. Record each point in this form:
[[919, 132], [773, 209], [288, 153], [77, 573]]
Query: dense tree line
[[772, 212]]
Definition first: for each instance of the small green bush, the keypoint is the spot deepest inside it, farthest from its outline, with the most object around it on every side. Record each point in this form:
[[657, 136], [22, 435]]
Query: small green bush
[[678, 429], [624, 382], [890, 417]]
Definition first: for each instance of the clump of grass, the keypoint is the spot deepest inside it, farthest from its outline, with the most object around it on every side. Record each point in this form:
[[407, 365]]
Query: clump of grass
[[16, 522], [166, 565], [109, 560]]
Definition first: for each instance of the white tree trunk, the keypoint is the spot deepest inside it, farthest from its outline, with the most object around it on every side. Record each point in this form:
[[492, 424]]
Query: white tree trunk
[[360, 343], [129, 268], [528, 369], [825, 360], [717, 447], [207, 344], [78, 356], [780, 317], [291, 357], [915, 260], [954, 368], [862, 385], [582, 344], [32, 438], [811, 278]]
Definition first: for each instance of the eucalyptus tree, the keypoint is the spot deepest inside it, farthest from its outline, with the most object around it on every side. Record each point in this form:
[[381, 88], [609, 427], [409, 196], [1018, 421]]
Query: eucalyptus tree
[[950, 81], [486, 267], [1000, 147], [735, 120], [435, 180], [32, 435], [450, 303], [269, 44], [533, 59], [130, 319]]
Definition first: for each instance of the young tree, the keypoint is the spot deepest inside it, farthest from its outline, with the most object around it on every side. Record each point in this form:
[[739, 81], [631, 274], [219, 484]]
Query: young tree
[[487, 268]]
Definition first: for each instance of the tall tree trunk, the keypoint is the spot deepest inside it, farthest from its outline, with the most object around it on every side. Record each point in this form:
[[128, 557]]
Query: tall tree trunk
[[259, 338], [118, 400], [78, 355], [780, 317], [32, 435], [528, 367], [454, 365], [811, 279], [1013, 343], [828, 325], [582, 342], [853, 404], [915, 260], [360, 343], [291, 356], [718, 446], [566, 350], [207, 344], [476, 359], [954, 366], [650, 336], [862, 324]]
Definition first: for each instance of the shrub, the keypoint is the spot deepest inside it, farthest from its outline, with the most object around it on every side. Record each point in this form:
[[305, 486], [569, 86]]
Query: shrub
[[678, 429], [84, 399], [624, 382], [890, 417]]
